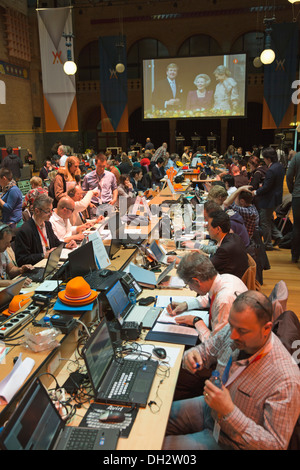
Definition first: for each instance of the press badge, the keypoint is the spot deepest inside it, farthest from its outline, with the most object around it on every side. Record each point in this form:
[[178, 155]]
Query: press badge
[[216, 431]]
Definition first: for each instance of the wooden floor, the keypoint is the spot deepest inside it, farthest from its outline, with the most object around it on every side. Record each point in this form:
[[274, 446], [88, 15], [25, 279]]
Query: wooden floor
[[283, 269]]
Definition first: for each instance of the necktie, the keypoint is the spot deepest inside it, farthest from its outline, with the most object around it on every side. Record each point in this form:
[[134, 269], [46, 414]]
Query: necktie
[[173, 86], [211, 299]]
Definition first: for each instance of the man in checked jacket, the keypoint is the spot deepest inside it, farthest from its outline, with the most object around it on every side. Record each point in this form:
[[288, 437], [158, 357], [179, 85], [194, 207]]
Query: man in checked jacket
[[258, 404]]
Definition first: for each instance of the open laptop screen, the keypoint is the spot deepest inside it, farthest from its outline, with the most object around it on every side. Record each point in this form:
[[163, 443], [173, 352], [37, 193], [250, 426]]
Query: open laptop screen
[[118, 300], [53, 260], [35, 423], [156, 250], [98, 354]]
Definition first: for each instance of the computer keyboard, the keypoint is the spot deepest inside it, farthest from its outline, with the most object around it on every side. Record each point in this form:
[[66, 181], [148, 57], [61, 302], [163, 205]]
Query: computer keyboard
[[147, 319], [36, 275], [124, 380], [150, 317], [82, 439]]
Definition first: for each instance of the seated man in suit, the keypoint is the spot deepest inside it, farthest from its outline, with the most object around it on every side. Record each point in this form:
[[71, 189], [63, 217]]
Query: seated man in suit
[[231, 255], [35, 240], [157, 171], [168, 93]]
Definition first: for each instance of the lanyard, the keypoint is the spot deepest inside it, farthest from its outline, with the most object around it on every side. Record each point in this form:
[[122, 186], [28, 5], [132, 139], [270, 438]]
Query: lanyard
[[43, 238], [210, 308], [228, 380]]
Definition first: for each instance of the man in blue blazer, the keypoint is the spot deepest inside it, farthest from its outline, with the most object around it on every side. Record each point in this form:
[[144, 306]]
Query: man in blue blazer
[[270, 197], [168, 93]]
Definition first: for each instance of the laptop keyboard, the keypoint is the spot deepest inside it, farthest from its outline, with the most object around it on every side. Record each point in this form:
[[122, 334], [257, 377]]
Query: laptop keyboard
[[124, 380], [137, 315], [148, 319], [95, 280], [82, 439], [36, 275]]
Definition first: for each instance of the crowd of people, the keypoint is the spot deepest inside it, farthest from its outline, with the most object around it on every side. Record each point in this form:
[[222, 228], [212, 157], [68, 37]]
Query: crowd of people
[[247, 188], [253, 409]]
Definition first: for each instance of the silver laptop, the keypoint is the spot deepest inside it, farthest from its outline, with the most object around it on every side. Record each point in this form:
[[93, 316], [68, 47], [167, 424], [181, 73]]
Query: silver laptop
[[158, 252], [123, 310], [41, 274]]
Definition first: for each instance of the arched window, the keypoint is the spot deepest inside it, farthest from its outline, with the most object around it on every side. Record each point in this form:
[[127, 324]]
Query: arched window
[[147, 48], [199, 45], [88, 62], [251, 43]]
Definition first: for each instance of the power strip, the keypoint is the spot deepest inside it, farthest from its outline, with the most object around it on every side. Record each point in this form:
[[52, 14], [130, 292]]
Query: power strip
[[14, 321]]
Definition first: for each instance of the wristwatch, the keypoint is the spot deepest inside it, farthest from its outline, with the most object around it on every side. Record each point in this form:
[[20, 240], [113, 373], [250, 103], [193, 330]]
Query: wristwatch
[[195, 320]]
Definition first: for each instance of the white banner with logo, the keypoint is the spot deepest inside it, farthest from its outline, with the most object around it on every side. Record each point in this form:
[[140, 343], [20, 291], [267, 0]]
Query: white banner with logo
[[59, 89]]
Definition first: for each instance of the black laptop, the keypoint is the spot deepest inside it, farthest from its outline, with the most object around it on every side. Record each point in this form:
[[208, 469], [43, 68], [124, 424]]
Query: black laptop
[[82, 260], [36, 425], [41, 274], [116, 380]]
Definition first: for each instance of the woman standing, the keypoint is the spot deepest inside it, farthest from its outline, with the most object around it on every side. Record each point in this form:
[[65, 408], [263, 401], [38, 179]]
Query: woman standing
[[11, 200]]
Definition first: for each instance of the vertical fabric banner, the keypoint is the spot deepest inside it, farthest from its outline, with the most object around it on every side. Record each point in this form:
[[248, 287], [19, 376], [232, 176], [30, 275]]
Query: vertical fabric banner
[[113, 85], [59, 89], [278, 108]]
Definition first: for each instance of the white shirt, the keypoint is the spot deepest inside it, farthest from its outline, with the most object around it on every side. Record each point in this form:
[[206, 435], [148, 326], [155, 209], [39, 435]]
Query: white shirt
[[62, 160], [223, 292], [81, 206], [62, 227]]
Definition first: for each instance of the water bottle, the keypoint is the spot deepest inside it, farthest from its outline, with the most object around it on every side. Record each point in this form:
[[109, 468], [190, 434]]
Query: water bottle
[[132, 296], [215, 378]]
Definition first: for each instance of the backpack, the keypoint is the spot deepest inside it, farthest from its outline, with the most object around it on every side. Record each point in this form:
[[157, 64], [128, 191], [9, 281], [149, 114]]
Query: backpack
[[51, 191], [287, 328]]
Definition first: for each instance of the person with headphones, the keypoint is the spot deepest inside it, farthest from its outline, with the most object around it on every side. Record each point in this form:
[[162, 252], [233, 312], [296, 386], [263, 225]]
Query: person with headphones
[[8, 270], [65, 178]]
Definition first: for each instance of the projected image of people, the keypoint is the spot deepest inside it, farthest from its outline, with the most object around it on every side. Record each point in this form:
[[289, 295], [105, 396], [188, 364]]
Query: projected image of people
[[201, 98], [194, 87], [226, 94], [167, 93]]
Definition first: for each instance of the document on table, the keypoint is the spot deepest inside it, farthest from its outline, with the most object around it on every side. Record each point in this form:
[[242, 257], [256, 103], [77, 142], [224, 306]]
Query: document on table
[[13, 381], [166, 318]]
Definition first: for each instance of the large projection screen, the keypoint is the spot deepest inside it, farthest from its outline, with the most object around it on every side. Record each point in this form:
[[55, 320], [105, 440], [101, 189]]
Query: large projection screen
[[205, 87]]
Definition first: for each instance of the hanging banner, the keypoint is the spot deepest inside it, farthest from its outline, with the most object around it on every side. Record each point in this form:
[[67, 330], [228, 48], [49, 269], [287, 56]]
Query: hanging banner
[[113, 85], [278, 108], [59, 89]]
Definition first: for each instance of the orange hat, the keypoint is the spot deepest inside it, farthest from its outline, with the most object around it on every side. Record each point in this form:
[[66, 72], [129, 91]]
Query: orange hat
[[78, 292], [17, 303]]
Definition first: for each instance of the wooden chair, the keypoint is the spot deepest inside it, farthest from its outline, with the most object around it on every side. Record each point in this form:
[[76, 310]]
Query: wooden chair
[[279, 297], [249, 276]]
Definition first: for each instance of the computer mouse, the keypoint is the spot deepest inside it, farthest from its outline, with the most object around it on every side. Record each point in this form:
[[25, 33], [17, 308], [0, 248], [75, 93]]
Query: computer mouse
[[146, 300], [159, 352], [172, 253], [112, 417]]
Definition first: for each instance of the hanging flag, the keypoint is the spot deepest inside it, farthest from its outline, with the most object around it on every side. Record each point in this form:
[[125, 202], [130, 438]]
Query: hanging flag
[[113, 85], [59, 89], [278, 108]]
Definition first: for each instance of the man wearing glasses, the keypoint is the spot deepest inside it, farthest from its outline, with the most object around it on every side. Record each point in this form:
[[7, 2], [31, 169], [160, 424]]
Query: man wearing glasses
[[61, 223], [36, 239]]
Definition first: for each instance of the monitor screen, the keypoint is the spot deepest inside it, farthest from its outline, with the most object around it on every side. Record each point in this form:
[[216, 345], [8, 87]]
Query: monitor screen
[[194, 87], [118, 300]]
